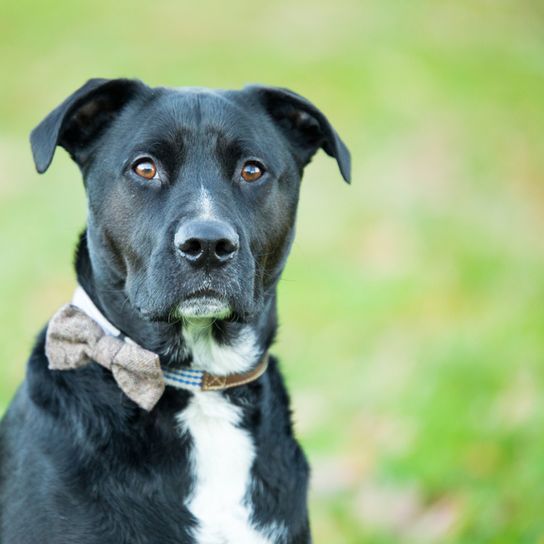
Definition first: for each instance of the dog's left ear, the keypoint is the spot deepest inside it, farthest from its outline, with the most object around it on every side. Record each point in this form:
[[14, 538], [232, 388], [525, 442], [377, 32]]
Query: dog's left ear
[[81, 119], [305, 126]]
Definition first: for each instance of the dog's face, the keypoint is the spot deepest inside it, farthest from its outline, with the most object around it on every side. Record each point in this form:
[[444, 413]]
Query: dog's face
[[192, 193]]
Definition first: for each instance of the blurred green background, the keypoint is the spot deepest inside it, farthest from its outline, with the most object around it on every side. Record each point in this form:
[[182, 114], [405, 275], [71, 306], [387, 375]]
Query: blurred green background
[[412, 308]]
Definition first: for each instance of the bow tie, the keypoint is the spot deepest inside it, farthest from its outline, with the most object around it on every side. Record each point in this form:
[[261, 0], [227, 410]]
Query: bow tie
[[74, 339]]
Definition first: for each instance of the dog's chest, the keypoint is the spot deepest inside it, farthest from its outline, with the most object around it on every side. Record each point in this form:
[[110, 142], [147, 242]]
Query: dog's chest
[[221, 458]]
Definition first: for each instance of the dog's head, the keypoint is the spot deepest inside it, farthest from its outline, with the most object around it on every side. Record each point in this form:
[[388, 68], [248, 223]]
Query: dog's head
[[192, 193]]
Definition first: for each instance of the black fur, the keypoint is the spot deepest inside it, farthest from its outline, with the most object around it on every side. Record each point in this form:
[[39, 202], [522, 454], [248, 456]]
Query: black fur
[[80, 462]]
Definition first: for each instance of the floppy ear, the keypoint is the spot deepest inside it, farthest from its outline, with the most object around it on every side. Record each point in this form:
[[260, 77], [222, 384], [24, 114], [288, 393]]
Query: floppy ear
[[306, 127], [80, 119]]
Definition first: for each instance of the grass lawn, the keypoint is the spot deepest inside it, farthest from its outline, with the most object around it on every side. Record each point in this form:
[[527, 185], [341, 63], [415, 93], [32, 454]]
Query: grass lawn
[[412, 307]]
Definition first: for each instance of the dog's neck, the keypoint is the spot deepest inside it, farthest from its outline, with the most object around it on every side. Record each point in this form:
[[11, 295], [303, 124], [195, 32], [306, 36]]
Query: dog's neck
[[219, 347]]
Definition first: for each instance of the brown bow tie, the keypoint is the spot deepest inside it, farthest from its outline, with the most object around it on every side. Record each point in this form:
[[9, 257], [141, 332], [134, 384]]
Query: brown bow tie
[[74, 339]]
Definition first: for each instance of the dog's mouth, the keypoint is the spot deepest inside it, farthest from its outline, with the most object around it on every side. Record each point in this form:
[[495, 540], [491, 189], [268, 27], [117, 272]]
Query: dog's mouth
[[174, 298], [205, 303]]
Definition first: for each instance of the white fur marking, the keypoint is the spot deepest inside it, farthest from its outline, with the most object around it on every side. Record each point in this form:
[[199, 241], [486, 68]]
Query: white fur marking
[[219, 359], [221, 458], [204, 307], [205, 204]]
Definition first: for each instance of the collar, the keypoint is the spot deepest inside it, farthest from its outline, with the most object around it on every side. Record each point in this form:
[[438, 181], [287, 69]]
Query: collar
[[191, 379]]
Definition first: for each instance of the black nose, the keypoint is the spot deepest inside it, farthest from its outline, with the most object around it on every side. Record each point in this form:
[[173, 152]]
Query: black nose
[[206, 242]]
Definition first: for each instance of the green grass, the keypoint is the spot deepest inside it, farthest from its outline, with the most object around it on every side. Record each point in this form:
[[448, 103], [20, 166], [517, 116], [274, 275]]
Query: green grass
[[412, 308]]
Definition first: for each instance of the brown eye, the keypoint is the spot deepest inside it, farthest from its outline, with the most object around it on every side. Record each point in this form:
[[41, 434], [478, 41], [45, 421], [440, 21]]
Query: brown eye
[[145, 168], [252, 171]]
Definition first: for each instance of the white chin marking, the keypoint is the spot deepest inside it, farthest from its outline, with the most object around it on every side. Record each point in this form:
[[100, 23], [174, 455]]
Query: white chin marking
[[204, 307]]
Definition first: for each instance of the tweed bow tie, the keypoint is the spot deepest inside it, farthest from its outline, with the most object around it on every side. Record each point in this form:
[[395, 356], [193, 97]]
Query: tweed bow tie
[[74, 340]]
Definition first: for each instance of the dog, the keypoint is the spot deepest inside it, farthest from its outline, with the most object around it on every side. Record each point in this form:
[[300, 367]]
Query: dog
[[192, 197]]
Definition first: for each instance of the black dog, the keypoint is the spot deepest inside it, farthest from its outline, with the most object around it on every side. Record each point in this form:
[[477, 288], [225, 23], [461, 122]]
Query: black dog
[[192, 198]]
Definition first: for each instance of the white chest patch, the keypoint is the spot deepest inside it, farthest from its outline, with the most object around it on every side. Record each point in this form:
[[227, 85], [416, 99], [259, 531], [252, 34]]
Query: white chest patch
[[221, 461]]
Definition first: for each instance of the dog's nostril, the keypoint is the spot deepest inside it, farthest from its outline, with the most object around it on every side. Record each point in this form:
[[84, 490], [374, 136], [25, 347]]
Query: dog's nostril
[[225, 248], [192, 247]]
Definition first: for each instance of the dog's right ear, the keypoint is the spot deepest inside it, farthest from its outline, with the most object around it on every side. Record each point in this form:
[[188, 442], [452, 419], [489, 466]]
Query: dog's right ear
[[81, 119]]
